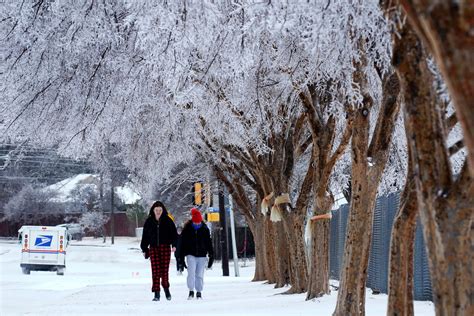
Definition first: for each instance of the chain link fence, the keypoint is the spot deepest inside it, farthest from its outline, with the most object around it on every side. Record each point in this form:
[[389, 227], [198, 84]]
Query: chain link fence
[[377, 278]]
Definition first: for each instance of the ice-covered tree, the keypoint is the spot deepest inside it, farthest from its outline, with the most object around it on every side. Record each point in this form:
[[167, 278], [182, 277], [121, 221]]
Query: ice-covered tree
[[265, 96], [93, 222], [31, 206]]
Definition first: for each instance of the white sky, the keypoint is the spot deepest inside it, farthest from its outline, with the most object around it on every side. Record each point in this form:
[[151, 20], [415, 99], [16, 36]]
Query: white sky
[[116, 280]]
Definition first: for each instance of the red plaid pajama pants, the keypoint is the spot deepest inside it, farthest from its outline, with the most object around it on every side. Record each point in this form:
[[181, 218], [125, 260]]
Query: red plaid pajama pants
[[160, 262]]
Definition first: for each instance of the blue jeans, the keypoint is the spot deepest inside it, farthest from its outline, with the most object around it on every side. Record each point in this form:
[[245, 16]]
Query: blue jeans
[[196, 266]]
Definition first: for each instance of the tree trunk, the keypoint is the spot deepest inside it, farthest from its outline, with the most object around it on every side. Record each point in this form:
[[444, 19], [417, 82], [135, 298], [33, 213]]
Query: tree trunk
[[446, 208], [318, 283], [400, 280], [323, 160], [271, 268], [298, 271], [446, 218], [259, 237], [448, 232], [452, 261], [446, 28], [281, 255], [365, 182], [351, 295]]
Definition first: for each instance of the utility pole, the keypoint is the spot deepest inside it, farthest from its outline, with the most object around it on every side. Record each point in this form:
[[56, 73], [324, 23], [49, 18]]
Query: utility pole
[[232, 231], [112, 220], [102, 206], [245, 245], [223, 235]]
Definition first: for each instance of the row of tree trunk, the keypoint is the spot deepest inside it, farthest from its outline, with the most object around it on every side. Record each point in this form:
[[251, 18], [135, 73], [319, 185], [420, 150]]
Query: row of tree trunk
[[443, 201]]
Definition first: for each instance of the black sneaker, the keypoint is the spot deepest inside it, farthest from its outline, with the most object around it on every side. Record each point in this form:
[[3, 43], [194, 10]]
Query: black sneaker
[[198, 296], [191, 295], [157, 296], [167, 294]]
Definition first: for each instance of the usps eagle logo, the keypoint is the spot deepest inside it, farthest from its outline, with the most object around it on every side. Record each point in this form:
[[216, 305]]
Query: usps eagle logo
[[43, 240]]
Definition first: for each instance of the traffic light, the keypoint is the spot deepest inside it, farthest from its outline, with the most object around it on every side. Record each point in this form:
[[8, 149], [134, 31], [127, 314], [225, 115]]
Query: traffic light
[[197, 196], [202, 194], [207, 194]]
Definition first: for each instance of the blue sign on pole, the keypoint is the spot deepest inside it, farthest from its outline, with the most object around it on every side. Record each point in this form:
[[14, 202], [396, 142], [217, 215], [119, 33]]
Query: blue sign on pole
[[216, 209]]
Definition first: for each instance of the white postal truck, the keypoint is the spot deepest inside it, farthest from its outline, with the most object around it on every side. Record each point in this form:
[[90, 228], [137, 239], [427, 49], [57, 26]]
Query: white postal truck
[[43, 248]]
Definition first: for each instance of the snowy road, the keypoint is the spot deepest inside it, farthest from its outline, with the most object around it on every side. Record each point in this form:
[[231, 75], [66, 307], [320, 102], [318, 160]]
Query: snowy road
[[116, 280]]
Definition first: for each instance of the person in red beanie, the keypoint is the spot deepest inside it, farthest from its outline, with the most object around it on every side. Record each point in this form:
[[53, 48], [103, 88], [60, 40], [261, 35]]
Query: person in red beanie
[[196, 245], [196, 216]]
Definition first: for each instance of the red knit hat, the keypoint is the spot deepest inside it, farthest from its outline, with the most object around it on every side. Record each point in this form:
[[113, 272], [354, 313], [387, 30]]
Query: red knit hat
[[196, 215]]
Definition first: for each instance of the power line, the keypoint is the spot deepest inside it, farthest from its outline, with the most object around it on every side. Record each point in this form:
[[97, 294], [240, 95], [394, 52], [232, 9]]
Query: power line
[[51, 163], [38, 155], [9, 179]]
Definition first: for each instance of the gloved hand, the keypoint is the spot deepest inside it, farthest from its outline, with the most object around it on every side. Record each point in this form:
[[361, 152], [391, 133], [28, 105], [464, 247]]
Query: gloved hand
[[211, 261], [147, 254], [181, 264]]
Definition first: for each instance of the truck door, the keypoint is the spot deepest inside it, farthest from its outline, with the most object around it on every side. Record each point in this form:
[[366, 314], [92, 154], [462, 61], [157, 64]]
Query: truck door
[[43, 246]]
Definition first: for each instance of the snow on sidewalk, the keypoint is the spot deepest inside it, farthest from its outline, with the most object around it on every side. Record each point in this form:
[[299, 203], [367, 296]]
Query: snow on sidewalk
[[102, 279]]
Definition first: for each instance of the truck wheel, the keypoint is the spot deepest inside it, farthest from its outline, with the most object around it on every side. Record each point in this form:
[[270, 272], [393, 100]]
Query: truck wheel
[[60, 271], [25, 270]]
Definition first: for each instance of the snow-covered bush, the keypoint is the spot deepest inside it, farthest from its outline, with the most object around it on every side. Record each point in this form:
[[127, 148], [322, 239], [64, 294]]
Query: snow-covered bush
[[93, 222], [31, 206]]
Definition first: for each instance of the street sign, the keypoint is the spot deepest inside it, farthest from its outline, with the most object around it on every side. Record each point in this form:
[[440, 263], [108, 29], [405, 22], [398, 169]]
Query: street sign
[[213, 217]]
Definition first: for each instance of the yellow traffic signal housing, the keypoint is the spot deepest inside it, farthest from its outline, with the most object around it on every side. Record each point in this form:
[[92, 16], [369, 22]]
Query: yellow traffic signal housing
[[198, 193]]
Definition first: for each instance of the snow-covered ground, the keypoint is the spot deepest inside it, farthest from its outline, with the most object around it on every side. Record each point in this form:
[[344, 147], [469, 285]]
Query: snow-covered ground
[[102, 279]]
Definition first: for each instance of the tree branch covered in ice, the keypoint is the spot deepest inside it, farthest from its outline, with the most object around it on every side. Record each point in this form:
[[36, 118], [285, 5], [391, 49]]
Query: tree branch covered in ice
[[166, 80]]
